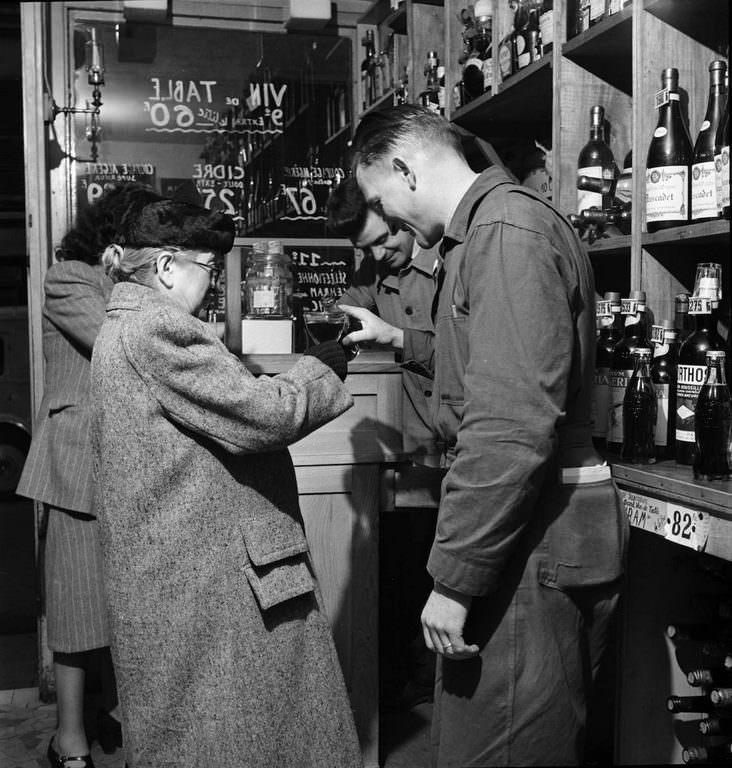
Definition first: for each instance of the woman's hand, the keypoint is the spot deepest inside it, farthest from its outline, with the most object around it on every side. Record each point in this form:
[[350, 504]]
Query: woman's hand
[[373, 328]]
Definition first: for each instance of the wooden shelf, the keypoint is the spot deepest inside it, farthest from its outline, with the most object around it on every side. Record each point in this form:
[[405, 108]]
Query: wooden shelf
[[386, 100], [523, 103], [601, 48], [611, 246], [706, 21], [706, 233]]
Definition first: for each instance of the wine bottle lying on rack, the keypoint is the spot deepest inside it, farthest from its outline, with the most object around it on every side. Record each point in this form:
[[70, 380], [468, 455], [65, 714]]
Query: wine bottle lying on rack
[[715, 726], [709, 676], [711, 755], [689, 704], [721, 697]]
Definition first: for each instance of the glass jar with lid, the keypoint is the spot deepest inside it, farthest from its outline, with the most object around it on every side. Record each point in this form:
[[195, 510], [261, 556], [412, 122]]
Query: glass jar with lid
[[267, 282]]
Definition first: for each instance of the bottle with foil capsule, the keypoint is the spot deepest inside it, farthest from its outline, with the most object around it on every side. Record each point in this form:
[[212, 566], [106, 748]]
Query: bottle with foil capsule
[[609, 321], [635, 334], [692, 366], [663, 375], [703, 175], [682, 322], [596, 161], [669, 160], [639, 412], [713, 423]]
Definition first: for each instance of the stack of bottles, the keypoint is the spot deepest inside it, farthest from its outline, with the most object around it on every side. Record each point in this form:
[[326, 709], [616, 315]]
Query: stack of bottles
[[685, 182], [665, 396], [587, 13]]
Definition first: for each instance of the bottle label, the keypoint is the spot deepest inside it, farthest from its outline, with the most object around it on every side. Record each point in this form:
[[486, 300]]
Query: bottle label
[[703, 190], [657, 336], [586, 199], [660, 131], [667, 193], [523, 50], [662, 98], [721, 163], [263, 299], [487, 66], [689, 381], [704, 126], [661, 433], [617, 382], [600, 400], [614, 6], [604, 308], [597, 9], [504, 59], [546, 28]]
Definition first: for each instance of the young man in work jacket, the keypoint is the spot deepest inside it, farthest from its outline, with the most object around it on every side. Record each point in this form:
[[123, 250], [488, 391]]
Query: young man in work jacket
[[530, 538], [395, 281]]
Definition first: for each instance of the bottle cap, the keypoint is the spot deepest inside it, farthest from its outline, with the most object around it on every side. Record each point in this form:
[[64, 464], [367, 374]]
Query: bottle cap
[[612, 296], [638, 296], [667, 324], [718, 64], [681, 298], [716, 354]]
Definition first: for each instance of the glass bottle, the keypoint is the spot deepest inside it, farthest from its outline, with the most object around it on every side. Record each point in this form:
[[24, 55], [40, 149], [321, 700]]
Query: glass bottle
[[669, 158], [703, 181], [721, 162], [596, 161], [609, 319], [692, 368], [707, 755], [483, 41], [639, 412], [663, 376], [546, 26], [597, 11], [689, 704], [368, 70], [713, 422], [682, 321], [624, 187], [268, 282], [622, 365], [430, 96]]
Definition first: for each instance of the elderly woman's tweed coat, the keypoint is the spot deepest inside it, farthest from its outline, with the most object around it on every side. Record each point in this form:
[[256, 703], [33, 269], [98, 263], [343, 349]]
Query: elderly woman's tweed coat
[[223, 654]]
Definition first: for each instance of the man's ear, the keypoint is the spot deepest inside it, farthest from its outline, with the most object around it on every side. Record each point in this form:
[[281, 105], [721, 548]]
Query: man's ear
[[405, 171], [165, 263]]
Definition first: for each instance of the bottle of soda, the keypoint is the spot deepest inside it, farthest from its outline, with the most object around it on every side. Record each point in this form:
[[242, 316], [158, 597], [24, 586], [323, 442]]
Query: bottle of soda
[[683, 324], [713, 422], [621, 367], [639, 412], [663, 376], [609, 319], [690, 372]]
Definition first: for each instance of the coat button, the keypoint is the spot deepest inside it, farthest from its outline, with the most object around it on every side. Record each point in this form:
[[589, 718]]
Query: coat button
[[428, 393], [408, 311]]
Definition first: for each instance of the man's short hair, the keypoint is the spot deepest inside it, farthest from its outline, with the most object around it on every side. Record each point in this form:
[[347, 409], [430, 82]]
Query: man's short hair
[[382, 131], [347, 209]]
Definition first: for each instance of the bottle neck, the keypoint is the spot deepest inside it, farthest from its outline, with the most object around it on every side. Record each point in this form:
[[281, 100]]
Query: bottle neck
[[715, 374]]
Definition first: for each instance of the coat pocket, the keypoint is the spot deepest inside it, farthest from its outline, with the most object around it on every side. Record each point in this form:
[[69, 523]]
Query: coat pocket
[[273, 584]]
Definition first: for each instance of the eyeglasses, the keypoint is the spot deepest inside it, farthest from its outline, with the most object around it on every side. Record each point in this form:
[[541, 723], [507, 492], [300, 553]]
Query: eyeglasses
[[214, 270]]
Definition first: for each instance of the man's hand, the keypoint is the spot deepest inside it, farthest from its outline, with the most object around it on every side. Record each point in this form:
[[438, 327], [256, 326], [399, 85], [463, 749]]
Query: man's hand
[[443, 619], [373, 329]]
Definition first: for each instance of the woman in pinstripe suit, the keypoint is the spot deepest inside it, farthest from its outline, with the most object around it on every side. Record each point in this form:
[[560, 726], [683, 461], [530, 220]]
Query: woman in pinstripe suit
[[58, 469]]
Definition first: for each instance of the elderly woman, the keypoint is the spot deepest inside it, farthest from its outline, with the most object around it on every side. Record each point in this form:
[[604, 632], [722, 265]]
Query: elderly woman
[[223, 652]]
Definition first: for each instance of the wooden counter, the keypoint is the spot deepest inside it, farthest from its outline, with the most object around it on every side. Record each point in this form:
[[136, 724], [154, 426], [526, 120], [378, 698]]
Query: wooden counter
[[344, 472]]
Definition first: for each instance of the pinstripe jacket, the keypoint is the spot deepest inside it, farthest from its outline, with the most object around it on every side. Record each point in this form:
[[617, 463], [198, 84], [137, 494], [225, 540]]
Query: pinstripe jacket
[[58, 468]]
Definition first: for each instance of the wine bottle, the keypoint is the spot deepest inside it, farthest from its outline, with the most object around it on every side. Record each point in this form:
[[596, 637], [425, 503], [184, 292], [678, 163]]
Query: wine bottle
[[713, 422], [689, 704], [721, 162], [621, 366], [669, 158], [582, 17], [639, 412], [715, 726], [624, 186], [682, 322], [692, 366], [597, 11], [663, 376], [430, 96], [546, 26], [721, 697], [596, 161], [703, 181], [710, 633], [609, 317], [368, 70], [709, 755], [707, 678]]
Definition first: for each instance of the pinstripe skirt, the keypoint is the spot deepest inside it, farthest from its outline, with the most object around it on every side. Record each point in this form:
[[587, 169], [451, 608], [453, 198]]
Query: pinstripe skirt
[[75, 607]]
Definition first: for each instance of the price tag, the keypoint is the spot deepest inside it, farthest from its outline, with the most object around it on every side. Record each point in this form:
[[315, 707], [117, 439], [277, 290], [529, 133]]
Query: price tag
[[657, 334], [604, 309], [700, 306], [688, 527], [644, 512], [662, 97], [628, 306]]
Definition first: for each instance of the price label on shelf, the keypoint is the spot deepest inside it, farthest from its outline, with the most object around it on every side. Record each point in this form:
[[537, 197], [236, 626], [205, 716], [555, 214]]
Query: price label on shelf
[[643, 512], [688, 527]]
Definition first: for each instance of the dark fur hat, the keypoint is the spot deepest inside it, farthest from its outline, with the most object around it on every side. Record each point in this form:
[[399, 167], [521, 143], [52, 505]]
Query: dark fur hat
[[151, 220]]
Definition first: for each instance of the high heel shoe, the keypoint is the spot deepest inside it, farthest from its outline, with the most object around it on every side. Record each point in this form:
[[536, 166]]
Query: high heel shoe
[[109, 732], [67, 761]]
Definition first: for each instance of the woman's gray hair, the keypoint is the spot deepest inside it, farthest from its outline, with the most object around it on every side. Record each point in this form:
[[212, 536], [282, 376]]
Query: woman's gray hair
[[135, 265]]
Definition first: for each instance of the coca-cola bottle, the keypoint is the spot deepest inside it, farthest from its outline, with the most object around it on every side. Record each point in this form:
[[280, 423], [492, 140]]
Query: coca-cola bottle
[[639, 412], [663, 376], [622, 365], [692, 367], [609, 319], [713, 422]]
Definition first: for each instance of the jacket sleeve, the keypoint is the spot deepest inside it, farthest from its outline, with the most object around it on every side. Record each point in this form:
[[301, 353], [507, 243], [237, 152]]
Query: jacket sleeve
[[204, 388], [75, 301], [519, 352]]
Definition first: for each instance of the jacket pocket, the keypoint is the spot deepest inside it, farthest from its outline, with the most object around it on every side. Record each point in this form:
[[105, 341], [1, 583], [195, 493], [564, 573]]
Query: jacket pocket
[[273, 584], [586, 540]]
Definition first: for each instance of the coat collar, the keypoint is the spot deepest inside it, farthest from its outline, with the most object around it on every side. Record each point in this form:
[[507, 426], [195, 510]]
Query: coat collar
[[423, 261], [134, 296]]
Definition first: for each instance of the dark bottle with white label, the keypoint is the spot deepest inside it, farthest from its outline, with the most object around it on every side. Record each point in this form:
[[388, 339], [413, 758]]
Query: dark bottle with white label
[[703, 176], [609, 319], [639, 412], [596, 161], [682, 322], [668, 161], [713, 422], [692, 366], [721, 161], [635, 334], [663, 375]]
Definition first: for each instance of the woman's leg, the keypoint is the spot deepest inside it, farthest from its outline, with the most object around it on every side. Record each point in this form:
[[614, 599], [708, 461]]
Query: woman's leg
[[70, 672]]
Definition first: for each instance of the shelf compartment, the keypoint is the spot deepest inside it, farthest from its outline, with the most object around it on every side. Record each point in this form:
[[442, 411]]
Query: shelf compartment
[[618, 245], [599, 49], [706, 21], [385, 100], [523, 104], [705, 233]]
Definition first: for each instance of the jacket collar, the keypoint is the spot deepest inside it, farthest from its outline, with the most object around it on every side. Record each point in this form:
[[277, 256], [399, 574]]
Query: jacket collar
[[134, 296], [488, 180], [423, 261]]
